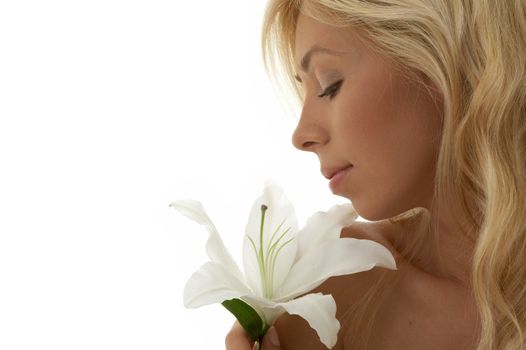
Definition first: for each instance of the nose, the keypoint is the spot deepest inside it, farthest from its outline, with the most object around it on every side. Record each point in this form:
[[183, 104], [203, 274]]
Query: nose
[[309, 135]]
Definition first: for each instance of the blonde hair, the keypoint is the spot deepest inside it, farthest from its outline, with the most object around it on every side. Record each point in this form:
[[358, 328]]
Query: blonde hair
[[474, 53]]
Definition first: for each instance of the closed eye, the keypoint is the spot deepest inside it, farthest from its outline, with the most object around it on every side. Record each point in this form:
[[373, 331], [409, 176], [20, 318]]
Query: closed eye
[[332, 90]]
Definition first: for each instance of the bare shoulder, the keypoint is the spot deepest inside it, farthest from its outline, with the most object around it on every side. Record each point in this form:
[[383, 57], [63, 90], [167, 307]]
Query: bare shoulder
[[407, 319], [295, 332], [422, 308], [347, 290]]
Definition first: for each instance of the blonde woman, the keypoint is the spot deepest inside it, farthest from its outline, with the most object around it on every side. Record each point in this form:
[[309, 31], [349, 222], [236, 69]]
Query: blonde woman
[[416, 110]]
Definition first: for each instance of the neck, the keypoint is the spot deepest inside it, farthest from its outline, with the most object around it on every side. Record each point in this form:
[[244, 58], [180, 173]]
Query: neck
[[456, 240]]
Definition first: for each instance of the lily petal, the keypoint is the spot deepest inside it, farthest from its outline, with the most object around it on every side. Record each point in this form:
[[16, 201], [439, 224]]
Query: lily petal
[[212, 283], [215, 247], [317, 309], [280, 224], [334, 258], [323, 226]]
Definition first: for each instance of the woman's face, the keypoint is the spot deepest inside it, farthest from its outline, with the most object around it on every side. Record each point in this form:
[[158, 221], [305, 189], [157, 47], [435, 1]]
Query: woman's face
[[373, 117]]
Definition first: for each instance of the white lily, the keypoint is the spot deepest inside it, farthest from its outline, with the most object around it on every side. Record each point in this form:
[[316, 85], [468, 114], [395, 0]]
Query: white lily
[[282, 263]]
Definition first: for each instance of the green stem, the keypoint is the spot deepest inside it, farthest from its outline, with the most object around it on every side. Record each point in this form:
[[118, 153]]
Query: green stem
[[259, 345], [259, 341]]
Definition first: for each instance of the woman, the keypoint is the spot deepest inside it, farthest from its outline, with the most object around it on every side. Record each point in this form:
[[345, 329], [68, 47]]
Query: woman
[[423, 104]]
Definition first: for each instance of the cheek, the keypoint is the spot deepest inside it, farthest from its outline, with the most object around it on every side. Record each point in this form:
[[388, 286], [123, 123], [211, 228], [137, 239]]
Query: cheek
[[365, 124], [387, 117], [382, 130]]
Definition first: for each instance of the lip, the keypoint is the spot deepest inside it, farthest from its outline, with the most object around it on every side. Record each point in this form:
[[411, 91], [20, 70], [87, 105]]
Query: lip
[[338, 177], [329, 173]]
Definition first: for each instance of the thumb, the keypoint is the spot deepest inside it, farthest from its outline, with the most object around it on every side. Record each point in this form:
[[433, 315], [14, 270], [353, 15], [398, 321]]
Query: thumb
[[271, 340]]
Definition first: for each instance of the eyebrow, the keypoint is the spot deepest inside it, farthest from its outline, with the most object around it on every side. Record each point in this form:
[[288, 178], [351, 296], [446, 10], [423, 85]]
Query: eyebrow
[[305, 61]]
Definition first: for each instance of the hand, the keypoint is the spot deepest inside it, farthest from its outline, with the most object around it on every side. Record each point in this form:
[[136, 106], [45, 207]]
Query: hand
[[238, 339]]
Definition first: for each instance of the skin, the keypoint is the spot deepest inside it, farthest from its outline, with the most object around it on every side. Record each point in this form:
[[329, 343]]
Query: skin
[[384, 124], [388, 126]]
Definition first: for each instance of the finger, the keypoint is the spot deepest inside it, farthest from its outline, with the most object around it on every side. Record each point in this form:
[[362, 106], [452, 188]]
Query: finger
[[271, 340], [237, 338]]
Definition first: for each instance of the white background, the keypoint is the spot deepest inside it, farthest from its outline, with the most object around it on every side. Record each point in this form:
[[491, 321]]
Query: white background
[[109, 111]]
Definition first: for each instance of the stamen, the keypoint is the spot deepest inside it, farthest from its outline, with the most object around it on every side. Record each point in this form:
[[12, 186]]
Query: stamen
[[270, 244], [274, 258], [276, 243], [267, 258]]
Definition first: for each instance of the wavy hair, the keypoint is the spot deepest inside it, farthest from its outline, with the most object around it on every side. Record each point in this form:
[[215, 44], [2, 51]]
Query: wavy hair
[[474, 53]]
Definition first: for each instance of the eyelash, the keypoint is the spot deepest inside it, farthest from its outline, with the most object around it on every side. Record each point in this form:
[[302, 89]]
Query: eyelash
[[332, 90]]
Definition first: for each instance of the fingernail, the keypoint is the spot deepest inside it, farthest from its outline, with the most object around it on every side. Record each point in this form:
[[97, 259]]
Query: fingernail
[[255, 347], [273, 336]]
